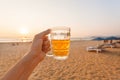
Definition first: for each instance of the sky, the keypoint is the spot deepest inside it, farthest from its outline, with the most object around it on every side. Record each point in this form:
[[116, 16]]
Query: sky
[[84, 17]]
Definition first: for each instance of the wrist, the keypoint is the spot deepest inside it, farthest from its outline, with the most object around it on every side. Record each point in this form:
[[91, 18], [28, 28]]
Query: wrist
[[37, 57], [32, 55]]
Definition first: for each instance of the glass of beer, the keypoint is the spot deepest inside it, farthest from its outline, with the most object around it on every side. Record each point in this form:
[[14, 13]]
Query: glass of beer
[[60, 42]]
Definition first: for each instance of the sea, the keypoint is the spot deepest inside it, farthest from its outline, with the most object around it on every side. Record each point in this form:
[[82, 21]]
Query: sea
[[3, 40]]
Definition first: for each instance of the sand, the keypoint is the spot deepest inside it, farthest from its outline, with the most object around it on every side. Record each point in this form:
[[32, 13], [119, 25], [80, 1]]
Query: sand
[[81, 65]]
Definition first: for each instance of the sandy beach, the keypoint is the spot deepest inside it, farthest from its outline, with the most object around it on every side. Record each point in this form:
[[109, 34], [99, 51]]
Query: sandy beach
[[81, 65]]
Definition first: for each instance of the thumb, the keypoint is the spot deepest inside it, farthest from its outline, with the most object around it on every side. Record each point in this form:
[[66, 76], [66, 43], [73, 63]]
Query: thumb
[[42, 34]]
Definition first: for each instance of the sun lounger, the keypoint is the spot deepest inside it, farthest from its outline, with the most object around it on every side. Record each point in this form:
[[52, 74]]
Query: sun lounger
[[89, 49], [98, 48], [109, 46]]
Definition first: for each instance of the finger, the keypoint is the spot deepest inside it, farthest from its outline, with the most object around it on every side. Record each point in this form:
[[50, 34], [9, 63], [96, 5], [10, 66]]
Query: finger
[[44, 33], [45, 38], [47, 50], [45, 47], [46, 42]]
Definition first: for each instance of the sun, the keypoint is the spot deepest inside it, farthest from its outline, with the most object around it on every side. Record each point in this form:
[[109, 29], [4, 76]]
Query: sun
[[24, 31]]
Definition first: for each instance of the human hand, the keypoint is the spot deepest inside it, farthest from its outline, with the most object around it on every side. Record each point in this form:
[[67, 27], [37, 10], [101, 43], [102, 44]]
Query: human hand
[[40, 45]]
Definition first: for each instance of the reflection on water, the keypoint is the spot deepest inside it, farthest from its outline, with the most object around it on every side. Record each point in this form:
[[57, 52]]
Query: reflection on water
[[15, 39], [30, 39]]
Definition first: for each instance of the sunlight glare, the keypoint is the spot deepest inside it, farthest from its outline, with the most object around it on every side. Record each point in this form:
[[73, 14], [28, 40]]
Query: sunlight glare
[[24, 31]]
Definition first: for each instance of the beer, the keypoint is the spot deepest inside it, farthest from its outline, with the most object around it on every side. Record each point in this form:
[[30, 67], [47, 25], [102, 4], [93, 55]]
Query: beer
[[60, 47], [60, 42]]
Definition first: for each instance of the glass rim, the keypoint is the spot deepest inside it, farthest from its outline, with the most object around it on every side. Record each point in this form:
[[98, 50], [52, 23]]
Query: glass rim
[[60, 28]]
